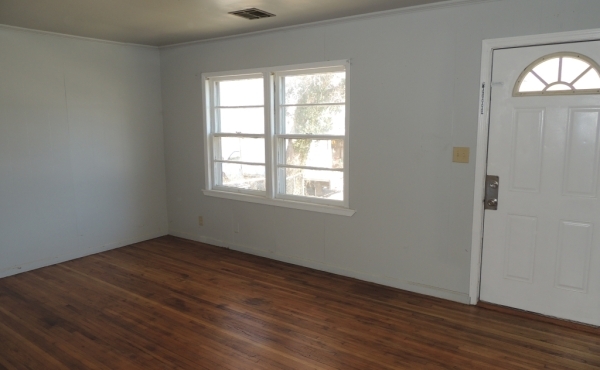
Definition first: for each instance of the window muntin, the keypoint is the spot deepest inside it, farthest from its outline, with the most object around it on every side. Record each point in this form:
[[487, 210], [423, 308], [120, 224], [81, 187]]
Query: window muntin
[[279, 133], [559, 74]]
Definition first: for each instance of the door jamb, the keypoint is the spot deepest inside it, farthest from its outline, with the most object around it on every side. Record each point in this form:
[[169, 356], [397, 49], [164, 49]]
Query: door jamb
[[488, 47]]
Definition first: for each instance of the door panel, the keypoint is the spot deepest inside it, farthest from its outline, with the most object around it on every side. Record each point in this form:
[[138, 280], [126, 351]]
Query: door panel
[[580, 175], [526, 168], [541, 248], [574, 247], [519, 253]]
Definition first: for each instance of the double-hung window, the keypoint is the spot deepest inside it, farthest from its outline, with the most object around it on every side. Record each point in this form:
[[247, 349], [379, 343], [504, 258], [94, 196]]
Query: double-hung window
[[279, 136]]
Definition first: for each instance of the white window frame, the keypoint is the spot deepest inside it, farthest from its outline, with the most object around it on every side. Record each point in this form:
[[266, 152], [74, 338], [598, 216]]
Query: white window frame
[[573, 91], [272, 134]]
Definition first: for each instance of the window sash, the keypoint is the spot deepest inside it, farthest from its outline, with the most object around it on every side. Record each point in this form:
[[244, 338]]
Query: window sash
[[239, 162], [280, 138], [240, 135], [337, 169], [311, 104], [310, 137], [300, 71], [238, 106]]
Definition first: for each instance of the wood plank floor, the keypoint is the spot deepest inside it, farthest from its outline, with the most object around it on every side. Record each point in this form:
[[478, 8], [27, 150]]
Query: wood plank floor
[[169, 303]]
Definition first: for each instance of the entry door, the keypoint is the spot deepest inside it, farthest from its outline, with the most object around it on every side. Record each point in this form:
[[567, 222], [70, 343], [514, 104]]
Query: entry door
[[541, 247]]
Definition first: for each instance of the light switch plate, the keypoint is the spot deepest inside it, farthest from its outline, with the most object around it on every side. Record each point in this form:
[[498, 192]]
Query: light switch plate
[[460, 155]]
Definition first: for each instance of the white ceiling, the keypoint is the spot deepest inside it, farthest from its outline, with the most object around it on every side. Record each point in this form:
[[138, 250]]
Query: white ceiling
[[166, 22]]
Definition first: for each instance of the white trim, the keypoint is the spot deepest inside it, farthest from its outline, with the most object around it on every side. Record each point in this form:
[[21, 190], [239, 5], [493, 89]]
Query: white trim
[[488, 47], [383, 13], [311, 105], [238, 106], [311, 168], [272, 196], [32, 265], [239, 162], [239, 135], [208, 96], [246, 74], [280, 202], [270, 144], [310, 136], [321, 266], [67, 36], [303, 70], [250, 73], [347, 138]]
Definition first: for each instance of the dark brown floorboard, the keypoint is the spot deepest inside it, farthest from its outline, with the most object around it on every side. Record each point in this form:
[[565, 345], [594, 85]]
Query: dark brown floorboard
[[169, 303]]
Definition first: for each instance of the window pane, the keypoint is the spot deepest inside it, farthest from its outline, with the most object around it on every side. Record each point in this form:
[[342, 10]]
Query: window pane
[[314, 153], [562, 75], [240, 149], [242, 120], [313, 183], [315, 88], [241, 175], [240, 92], [531, 83], [315, 120], [572, 68], [590, 80], [559, 87], [548, 70]]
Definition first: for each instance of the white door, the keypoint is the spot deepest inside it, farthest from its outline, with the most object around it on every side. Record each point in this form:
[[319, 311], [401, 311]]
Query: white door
[[541, 247]]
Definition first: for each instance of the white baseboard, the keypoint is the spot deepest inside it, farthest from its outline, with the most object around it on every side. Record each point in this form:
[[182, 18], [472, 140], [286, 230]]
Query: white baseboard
[[383, 280], [32, 265]]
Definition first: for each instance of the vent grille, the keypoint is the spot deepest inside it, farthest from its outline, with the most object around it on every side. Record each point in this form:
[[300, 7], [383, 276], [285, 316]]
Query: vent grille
[[252, 13]]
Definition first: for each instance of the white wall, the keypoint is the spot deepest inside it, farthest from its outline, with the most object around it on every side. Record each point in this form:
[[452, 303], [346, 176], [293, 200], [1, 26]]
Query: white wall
[[414, 95], [81, 148]]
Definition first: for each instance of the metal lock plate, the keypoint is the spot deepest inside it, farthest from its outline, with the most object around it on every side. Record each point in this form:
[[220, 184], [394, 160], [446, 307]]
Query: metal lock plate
[[492, 185]]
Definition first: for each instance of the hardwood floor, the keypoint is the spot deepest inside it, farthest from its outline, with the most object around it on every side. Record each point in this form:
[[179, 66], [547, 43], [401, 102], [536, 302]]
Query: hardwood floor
[[170, 303]]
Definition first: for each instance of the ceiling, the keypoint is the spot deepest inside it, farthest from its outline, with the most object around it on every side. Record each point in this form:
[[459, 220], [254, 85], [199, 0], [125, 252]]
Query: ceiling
[[167, 22]]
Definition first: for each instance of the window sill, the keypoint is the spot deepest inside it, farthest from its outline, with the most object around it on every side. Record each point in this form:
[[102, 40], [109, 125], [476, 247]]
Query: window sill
[[281, 203]]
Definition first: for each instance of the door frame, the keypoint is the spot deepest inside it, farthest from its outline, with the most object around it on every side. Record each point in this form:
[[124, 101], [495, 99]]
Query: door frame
[[488, 48]]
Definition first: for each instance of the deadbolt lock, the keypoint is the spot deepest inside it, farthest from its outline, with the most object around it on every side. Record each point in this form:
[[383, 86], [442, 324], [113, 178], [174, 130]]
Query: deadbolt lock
[[492, 185]]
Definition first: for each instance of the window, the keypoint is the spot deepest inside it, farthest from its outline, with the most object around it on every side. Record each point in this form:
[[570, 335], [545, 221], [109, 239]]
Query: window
[[279, 136], [559, 74]]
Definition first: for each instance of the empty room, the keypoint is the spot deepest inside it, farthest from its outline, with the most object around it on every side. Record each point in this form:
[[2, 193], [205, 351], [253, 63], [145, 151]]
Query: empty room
[[340, 184]]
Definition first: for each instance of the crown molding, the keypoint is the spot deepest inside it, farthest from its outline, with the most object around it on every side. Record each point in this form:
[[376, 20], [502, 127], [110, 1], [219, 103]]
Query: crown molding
[[384, 13], [67, 36]]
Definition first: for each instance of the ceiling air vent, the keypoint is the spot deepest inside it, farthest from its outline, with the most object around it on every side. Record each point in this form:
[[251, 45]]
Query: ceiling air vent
[[252, 13]]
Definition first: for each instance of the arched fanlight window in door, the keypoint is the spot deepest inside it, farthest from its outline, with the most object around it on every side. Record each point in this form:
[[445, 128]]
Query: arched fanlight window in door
[[563, 73]]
